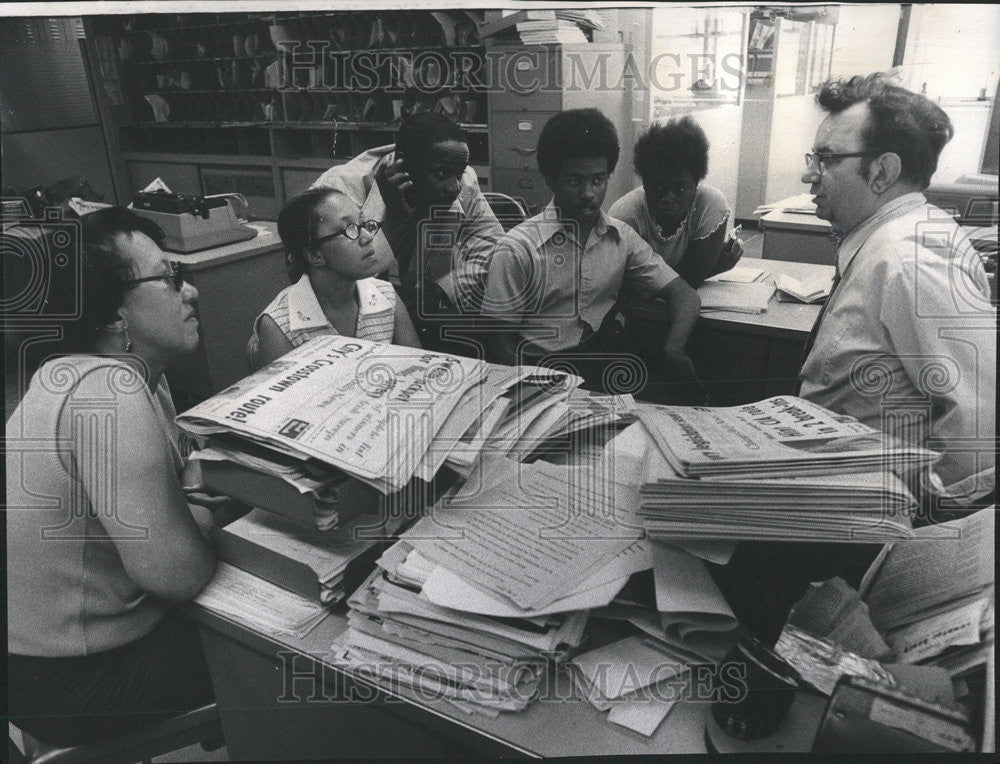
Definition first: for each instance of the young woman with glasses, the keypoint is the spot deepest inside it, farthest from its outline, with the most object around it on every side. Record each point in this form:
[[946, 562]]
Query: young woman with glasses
[[100, 536], [332, 262]]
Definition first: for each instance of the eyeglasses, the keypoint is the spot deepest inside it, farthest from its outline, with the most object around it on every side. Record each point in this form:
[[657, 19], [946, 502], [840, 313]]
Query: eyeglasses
[[353, 231], [176, 277], [819, 159]]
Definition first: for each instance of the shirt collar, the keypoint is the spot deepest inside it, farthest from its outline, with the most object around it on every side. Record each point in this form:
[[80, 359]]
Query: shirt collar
[[370, 299], [852, 243], [549, 223], [304, 310]]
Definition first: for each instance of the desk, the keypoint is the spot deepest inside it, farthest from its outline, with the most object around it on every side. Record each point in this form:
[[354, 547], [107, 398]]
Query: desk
[[744, 357], [235, 283], [798, 237], [265, 718]]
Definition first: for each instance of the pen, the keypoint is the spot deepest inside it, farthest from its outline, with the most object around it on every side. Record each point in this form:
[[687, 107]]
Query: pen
[[733, 237]]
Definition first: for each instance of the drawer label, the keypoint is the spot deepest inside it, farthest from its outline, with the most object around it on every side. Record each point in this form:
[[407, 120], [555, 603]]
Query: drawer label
[[525, 125]]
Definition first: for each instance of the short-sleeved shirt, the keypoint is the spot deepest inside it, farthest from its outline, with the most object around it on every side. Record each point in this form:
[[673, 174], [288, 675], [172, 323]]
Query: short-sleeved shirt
[[556, 290], [459, 268], [297, 312], [709, 210]]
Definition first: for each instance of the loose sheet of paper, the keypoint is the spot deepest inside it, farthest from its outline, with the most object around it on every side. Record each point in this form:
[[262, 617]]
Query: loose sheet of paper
[[531, 539]]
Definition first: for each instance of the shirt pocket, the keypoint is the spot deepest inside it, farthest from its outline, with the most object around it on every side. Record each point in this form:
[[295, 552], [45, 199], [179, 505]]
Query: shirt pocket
[[838, 350]]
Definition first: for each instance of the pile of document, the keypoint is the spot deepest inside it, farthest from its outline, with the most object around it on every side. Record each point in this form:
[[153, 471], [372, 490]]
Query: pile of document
[[782, 436], [326, 554], [739, 297], [497, 580], [741, 274], [386, 415], [248, 599], [800, 203], [543, 27], [779, 469], [933, 598]]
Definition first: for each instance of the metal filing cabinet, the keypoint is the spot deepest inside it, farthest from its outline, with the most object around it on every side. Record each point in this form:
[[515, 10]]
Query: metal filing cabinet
[[529, 85]]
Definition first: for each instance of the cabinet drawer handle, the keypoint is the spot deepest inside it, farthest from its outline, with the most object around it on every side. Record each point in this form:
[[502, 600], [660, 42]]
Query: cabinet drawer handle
[[525, 152]]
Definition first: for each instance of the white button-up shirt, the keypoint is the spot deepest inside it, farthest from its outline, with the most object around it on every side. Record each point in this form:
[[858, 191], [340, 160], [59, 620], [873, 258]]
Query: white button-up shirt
[[907, 341]]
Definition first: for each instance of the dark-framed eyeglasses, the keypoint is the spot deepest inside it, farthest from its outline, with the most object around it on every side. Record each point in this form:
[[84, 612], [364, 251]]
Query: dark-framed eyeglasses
[[175, 277], [353, 231], [819, 159]]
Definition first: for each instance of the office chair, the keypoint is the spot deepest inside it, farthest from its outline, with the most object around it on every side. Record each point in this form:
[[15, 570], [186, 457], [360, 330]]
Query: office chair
[[202, 725], [509, 211], [251, 352]]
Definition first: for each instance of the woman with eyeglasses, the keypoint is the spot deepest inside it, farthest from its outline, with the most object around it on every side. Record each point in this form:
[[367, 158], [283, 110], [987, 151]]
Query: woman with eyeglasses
[[100, 536], [682, 219], [332, 261]]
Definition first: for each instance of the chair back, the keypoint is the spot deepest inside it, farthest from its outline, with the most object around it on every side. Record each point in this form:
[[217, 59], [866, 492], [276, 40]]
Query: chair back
[[251, 352]]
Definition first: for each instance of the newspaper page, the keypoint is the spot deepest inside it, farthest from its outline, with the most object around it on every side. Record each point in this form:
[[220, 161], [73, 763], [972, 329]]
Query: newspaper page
[[785, 430], [347, 402], [944, 563]]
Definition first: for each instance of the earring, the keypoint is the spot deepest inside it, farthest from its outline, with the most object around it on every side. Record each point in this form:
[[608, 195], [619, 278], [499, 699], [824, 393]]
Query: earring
[[128, 340]]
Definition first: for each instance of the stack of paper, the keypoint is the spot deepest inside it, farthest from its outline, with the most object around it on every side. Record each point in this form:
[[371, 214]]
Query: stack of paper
[[810, 290], [800, 203], [739, 297], [541, 27], [328, 554], [382, 414], [244, 597], [741, 274], [780, 469], [499, 576], [636, 680], [781, 437], [550, 32]]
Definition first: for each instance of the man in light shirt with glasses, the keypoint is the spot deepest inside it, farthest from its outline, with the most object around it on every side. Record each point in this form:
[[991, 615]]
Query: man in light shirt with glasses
[[906, 340]]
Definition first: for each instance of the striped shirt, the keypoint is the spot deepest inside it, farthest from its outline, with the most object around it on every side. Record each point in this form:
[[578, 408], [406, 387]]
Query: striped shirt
[[297, 312]]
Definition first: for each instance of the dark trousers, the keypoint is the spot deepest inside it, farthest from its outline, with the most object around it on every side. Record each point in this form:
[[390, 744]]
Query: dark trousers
[[71, 701]]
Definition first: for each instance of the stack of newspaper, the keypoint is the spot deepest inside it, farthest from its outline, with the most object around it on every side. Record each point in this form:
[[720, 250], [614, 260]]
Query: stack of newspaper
[[382, 414], [781, 469], [495, 581]]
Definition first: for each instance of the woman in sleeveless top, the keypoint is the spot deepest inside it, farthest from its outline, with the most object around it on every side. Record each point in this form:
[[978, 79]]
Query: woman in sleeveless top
[[100, 536], [331, 263]]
